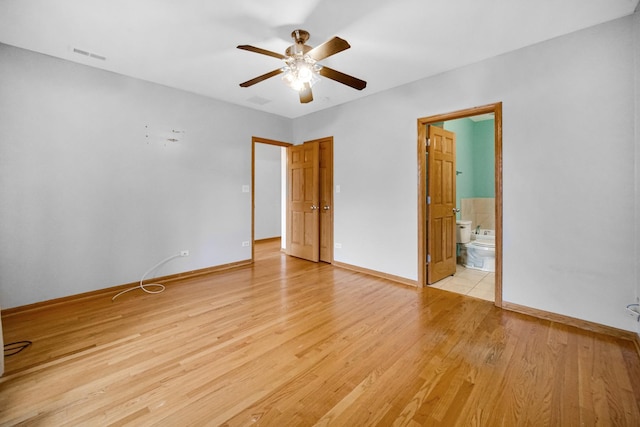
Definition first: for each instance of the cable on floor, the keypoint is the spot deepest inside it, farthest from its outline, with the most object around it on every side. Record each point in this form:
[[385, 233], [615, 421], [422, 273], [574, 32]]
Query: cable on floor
[[15, 347], [145, 287]]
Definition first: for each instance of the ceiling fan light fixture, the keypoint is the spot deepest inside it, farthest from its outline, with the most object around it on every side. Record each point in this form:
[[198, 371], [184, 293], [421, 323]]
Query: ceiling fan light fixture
[[305, 73], [300, 70]]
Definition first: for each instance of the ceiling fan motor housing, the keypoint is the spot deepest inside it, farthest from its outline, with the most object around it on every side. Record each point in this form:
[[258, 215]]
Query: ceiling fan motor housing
[[300, 36], [299, 48]]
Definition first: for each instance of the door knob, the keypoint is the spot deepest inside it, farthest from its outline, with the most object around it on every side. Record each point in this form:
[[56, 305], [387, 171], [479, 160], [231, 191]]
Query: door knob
[[314, 207], [455, 210], [326, 208]]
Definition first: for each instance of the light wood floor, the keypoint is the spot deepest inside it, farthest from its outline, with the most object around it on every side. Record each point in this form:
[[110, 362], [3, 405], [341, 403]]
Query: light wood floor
[[286, 342]]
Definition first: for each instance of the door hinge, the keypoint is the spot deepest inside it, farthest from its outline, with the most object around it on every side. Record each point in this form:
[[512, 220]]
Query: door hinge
[[428, 200], [428, 142], [428, 259]]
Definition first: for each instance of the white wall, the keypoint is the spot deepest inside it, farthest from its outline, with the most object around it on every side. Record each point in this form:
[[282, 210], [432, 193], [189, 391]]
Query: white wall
[[636, 33], [88, 202], [268, 191], [568, 136]]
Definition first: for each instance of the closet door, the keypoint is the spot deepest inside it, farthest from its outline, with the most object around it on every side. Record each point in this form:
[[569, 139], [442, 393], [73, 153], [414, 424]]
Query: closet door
[[326, 200]]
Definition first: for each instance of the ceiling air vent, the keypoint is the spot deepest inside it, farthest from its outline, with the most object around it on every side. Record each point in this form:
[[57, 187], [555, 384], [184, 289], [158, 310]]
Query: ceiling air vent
[[81, 52], [93, 55], [258, 100], [89, 54]]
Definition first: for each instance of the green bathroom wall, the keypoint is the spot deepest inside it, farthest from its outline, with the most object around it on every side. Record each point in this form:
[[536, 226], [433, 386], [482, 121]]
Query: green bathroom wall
[[475, 158], [464, 130], [484, 159]]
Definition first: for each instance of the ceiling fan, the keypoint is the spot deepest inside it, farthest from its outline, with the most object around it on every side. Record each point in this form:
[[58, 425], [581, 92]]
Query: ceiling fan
[[301, 69]]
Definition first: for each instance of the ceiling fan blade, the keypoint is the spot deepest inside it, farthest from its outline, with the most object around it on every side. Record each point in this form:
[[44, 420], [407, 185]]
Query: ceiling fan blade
[[328, 48], [305, 94], [343, 78], [262, 51], [261, 78]]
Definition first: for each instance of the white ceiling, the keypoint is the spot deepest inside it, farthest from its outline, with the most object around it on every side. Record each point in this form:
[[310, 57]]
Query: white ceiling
[[191, 44]]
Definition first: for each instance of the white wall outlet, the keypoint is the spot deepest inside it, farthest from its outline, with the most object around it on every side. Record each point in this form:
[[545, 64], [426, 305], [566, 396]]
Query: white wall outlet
[[338, 245], [245, 243], [184, 252], [337, 188], [245, 188], [633, 310]]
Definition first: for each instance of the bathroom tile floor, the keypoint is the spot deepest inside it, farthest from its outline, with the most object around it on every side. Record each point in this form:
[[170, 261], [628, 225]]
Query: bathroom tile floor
[[467, 281]]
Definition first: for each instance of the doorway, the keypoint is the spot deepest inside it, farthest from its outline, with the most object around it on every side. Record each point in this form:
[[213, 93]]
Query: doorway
[[307, 230], [256, 143], [423, 191]]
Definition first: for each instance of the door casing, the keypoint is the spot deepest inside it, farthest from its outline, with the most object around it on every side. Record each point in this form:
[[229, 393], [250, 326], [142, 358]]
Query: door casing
[[496, 109]]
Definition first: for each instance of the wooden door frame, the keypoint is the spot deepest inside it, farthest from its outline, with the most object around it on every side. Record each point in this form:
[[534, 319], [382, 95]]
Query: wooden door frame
[[257, 140], [496, 109]]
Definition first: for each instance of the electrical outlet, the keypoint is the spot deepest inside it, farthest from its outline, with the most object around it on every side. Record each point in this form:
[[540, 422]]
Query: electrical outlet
[[245, 243], [633, 310], [338, 245], [184, 252]]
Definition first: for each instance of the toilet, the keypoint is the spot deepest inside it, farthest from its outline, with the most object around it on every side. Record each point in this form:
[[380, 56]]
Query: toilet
[[477, 251]]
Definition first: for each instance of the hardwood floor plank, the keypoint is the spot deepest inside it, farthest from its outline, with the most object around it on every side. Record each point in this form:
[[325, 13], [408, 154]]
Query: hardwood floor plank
[[288, 342]]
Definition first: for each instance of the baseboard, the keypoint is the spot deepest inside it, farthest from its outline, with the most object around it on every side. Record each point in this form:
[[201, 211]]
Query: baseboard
[[572, 321], [375, 273], [268, 239], [115, 289]]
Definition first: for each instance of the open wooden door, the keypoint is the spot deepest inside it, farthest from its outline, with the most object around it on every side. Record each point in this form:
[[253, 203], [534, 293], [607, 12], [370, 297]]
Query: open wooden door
[[441, 204], [303, 237]]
